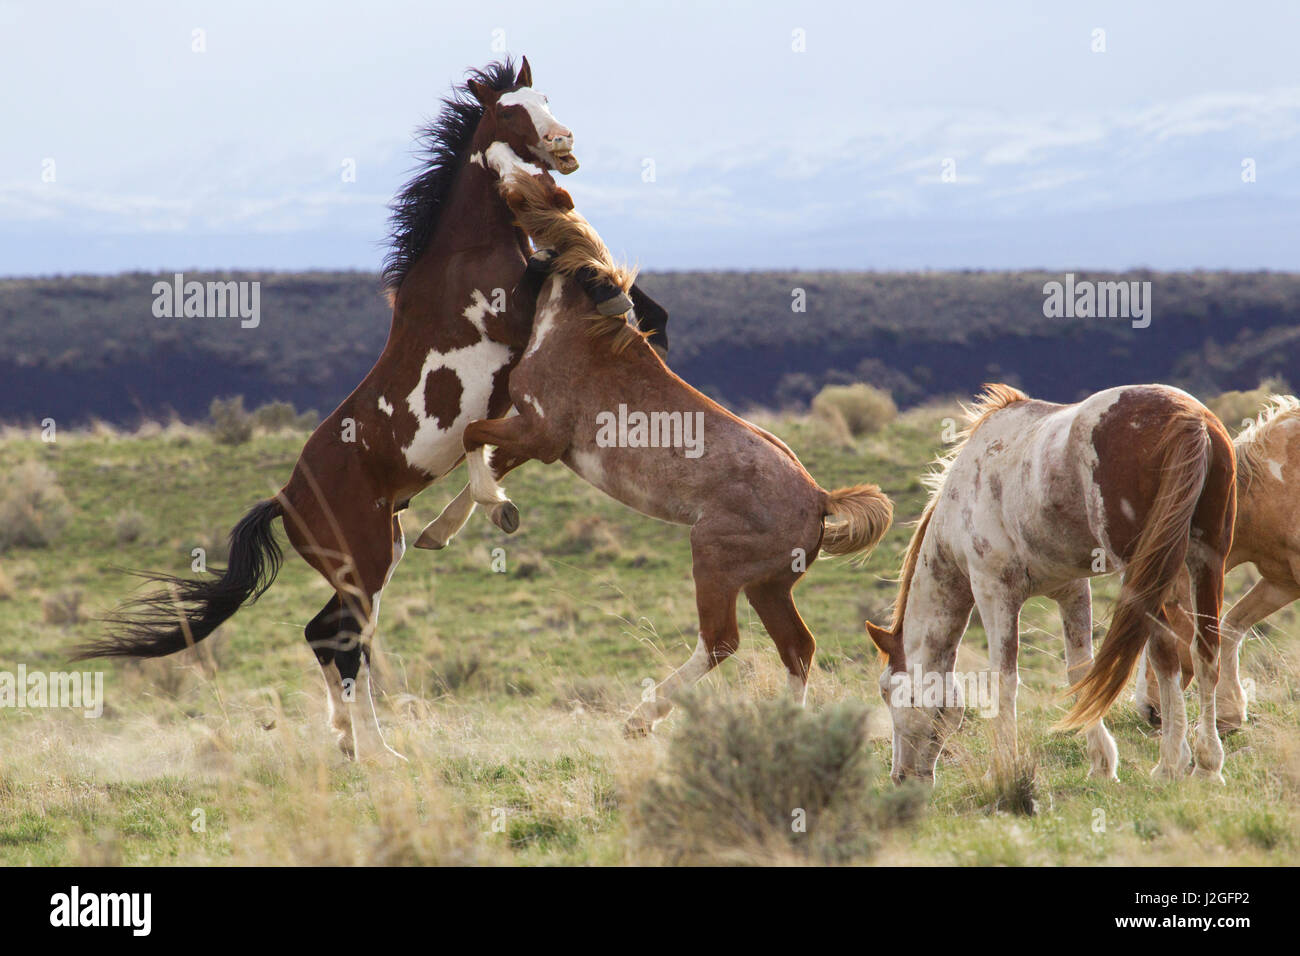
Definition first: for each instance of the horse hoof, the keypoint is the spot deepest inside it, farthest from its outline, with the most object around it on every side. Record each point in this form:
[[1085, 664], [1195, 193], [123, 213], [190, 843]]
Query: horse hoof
[[431, 541], [1213, 776], [1166, 773], [506, 517], [636, 729]]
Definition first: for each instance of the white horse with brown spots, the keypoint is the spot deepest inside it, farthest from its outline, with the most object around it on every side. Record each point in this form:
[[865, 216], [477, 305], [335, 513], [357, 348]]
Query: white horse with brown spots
[[1267, 535], [1037, 499]]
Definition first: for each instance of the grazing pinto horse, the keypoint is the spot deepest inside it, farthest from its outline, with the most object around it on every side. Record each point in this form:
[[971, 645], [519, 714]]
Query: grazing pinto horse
[[1036, 499], [757, 518], [1267, 535], [455, 335]]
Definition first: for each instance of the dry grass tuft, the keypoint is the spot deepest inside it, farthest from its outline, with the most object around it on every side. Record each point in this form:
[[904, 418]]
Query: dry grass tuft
[[33, 508], [766, 781]]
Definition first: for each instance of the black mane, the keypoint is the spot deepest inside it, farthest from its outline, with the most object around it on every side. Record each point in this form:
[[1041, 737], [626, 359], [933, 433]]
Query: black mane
[[440, 144]]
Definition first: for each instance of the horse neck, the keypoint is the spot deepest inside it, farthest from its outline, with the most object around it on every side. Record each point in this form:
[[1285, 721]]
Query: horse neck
[[475, 217], [937, 610]]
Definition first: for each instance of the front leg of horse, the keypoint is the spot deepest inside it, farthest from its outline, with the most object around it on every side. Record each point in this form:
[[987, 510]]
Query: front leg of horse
[[1075, 603], [1000, 611], [439, 532], [1208, 597], [1259, 602], [483, 486]]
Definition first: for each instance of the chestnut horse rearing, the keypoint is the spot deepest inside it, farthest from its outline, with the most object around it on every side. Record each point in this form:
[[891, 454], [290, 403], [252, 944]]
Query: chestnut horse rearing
[[757, 518]]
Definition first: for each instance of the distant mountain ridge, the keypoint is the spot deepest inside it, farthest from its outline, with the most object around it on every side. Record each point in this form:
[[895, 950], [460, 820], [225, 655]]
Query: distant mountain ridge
[[82, 347]]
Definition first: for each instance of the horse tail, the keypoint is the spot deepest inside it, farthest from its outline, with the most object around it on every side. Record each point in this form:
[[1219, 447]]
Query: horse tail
[[185, 611], [1184, 453], [864, 514]]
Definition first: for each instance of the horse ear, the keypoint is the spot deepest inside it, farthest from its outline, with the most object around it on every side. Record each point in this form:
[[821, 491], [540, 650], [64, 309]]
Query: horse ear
[[885, 640], [525, 77], [482, 92]]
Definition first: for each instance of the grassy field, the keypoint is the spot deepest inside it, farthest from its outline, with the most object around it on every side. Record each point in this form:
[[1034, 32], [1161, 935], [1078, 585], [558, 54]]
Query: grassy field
[[507, 692]]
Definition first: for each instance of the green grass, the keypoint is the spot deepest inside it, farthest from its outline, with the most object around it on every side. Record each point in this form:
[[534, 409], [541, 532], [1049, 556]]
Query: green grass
[[507, 691]]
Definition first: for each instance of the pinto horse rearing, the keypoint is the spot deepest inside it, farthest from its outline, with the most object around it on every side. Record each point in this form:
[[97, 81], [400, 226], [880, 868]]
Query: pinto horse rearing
[[461, 316], [757, 518], [1037, 499]]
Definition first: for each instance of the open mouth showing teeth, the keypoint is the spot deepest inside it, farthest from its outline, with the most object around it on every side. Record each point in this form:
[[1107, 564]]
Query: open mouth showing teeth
[[564, 161]]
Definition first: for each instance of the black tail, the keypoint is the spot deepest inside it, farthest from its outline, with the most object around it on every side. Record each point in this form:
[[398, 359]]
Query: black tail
[[184, 612]]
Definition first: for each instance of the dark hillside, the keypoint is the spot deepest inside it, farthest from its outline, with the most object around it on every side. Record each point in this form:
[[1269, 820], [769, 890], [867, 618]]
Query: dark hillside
[[89, 346]]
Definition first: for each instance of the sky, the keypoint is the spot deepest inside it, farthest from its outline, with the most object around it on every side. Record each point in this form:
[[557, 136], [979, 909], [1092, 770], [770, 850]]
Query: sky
[[765, 135]]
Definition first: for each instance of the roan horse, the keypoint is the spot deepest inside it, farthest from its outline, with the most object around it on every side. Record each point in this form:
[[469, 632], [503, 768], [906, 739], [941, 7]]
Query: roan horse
[[455, 336], [757, 518], [1267, 535], [1036, 499]]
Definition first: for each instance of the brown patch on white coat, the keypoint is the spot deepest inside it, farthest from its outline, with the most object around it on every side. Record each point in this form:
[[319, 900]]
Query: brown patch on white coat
[[1020, 508]]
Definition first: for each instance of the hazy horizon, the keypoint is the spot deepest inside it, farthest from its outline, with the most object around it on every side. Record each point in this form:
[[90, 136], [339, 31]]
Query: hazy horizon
[[944, 138]]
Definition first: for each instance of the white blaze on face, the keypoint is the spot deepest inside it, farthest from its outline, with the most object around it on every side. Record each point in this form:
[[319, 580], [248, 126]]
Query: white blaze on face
[[539, 112], [435, 448]]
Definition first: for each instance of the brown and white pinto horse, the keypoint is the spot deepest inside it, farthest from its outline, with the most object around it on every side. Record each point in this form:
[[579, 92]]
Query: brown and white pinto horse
[[1037, 499], [757, 518], [1267, 535], [458, 328]]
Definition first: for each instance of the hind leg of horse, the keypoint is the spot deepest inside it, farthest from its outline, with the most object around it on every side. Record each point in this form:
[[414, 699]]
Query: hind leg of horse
[[1075, 604], [357, 567], [369, 738], [718, 639], [322, 634], [1162, 649], [1265, 598], [1207, 600], [518, 439], [774, 604], [1146, 696]]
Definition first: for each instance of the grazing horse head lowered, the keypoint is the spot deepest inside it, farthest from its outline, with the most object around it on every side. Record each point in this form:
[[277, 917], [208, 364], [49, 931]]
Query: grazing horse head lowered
[[592, 393], [1037, 499]]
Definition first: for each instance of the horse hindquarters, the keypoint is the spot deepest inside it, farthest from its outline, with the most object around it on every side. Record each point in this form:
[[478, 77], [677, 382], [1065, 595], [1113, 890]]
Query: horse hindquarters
[[1182, 461]]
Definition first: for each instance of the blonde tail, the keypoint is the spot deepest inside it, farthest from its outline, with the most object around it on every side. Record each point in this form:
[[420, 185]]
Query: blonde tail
[[863, 512]]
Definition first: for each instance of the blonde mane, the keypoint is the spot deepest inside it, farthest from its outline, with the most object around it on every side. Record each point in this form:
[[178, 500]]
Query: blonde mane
[[1251, 444], [994, 397], [577, 245]]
